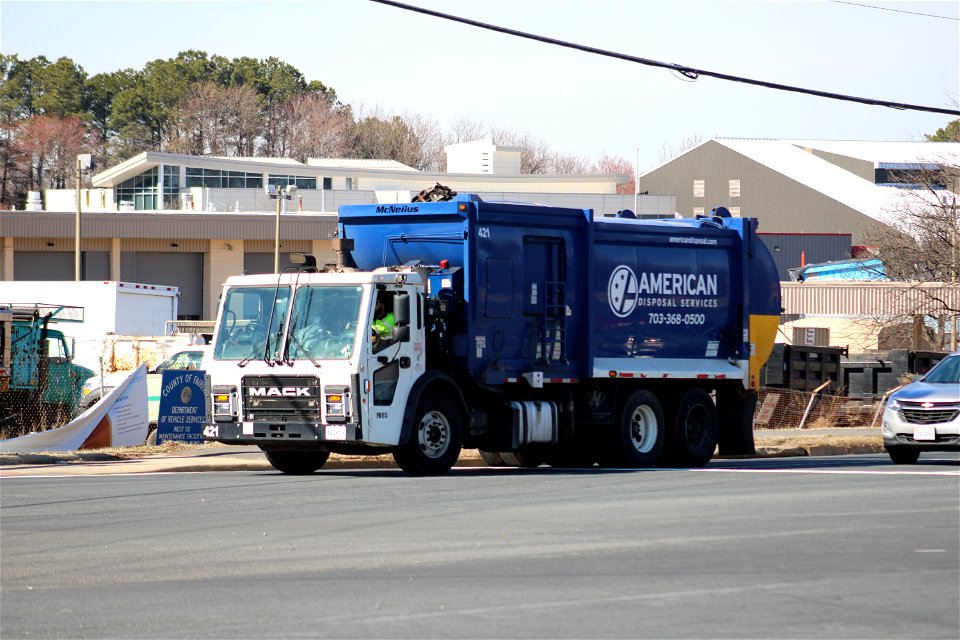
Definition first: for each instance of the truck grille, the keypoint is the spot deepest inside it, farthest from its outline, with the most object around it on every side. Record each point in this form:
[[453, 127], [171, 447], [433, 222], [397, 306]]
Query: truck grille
[[281, 398], [933, 415]]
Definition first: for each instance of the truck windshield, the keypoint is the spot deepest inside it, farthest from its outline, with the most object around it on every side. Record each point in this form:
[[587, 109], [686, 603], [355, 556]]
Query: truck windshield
[[324, 322], [244, 321]]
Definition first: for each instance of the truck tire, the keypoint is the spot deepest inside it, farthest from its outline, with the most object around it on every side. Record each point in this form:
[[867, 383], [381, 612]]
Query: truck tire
[[637, 439], [435, 440], [523, 459], [297, 463], [492, 458], [694, 432]]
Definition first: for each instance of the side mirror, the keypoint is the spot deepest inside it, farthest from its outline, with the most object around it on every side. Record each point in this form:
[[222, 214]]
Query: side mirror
[[401, 310], [400, 333]]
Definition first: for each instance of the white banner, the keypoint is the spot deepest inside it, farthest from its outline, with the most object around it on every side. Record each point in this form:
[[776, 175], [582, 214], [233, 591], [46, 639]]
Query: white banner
[[119, 419]]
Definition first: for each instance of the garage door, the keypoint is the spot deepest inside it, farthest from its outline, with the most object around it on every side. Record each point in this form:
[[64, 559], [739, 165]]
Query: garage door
[[58, 265], [263, 262], [43, 265], [183, 270]]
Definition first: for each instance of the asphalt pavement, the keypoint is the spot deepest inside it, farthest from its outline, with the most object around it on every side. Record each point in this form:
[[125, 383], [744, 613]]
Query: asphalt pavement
[[770, 443]]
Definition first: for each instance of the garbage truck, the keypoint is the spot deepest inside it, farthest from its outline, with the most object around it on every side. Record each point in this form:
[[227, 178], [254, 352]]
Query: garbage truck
[[40, 384], [536, 334]]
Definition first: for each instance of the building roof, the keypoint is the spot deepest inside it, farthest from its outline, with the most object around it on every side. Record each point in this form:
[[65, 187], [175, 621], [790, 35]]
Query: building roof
[[136, 165], [354, 163], [888, 153], [794, 160], [486, 141]]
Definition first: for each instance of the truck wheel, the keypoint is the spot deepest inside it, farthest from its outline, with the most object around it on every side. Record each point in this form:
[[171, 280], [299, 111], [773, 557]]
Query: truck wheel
[[492, 458], [524, 459], [436, 439], [902, 455], [297, 463], [696, 429], [637, 440]]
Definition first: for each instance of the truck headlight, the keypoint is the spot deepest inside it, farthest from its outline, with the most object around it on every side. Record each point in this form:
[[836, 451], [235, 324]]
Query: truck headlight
[[336, 401], [224, 402]]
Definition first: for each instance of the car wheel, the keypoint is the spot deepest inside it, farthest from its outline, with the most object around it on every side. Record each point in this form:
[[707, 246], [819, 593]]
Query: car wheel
[[903, 455]]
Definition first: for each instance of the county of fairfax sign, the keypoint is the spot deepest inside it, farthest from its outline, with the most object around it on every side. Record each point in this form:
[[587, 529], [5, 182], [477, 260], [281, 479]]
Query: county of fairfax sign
[[182, 406]]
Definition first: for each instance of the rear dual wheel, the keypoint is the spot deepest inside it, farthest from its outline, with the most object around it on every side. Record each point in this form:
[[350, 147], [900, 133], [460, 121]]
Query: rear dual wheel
[[637, 439], [694, 432]]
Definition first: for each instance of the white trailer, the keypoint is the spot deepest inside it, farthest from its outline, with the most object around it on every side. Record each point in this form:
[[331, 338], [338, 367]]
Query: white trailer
[[111, 308]]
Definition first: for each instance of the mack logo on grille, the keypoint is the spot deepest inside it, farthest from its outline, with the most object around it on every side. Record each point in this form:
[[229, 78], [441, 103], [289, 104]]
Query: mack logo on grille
[[281, 392]]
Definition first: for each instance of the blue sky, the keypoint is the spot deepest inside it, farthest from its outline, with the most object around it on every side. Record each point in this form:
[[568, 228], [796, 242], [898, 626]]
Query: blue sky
[[380, 56]]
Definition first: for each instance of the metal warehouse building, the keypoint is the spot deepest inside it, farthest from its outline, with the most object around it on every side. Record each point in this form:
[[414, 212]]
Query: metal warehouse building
[[815, 199]]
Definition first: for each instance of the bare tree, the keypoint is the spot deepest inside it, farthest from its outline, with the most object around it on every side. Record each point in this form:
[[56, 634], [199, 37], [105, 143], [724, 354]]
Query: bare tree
[[195, 127], [216, 120], [242, 120], [568, 163], [465, 129], [377, 134], [49, 145], [315, 127], [535, 155], [432, 141], [617, 164], [669, 152], [920, 244]]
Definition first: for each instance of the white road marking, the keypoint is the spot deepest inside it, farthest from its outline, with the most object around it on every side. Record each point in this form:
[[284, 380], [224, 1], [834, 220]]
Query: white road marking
[[839, 472]]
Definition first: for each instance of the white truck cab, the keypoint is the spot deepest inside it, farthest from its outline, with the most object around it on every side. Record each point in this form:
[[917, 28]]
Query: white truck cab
[[295, 360]]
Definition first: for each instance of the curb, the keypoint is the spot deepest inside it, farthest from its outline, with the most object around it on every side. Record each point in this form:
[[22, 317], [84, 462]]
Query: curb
[[167, 462]]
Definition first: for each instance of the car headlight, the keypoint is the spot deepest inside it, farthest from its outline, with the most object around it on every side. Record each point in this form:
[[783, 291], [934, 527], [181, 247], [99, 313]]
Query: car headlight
[[893, 404]]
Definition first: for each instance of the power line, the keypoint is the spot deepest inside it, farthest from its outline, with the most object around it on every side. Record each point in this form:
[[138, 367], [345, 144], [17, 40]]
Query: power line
[[915, 13], [689, 72]]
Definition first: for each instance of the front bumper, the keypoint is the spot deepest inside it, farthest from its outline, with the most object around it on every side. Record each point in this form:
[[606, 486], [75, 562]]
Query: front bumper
[[286, 433]]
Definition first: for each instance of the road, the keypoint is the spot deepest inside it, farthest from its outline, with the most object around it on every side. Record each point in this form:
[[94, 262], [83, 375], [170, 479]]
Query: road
[[839, 547]]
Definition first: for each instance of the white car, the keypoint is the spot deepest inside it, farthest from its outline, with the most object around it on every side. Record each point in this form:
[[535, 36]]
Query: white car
[[924, 415], [190, 358]]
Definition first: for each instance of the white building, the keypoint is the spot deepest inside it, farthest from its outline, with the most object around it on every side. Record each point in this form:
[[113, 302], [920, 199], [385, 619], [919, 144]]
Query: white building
[[192, 221]]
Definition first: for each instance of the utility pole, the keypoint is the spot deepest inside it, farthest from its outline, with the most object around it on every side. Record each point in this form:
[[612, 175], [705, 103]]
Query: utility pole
[[281, 196], [84, 161]]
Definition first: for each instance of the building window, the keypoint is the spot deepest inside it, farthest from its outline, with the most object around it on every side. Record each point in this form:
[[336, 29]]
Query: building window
[[327, 184], [697, 211], [217, 179], [300, 182], [144, 191], [734, 188], [699, 187], [171, 187]]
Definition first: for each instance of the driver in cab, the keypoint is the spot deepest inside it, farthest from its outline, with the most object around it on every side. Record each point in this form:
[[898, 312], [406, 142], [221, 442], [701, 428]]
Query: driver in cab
[[383, 319]]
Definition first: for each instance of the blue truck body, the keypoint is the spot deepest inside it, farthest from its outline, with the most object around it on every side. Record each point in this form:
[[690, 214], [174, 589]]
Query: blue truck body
[[579, 297]]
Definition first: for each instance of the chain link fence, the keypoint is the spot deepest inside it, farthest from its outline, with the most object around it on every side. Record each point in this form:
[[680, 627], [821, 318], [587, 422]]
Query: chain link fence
[[793, 409]]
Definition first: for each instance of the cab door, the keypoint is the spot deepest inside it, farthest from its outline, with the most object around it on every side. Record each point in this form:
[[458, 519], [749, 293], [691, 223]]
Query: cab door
[[393, 366]]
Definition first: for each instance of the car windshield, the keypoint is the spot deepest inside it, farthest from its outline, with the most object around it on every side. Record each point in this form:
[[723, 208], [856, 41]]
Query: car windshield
[[947, 371], [245, 319], [323, 324], [182, 360]]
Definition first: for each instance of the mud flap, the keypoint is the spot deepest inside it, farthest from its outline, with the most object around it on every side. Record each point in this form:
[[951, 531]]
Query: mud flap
[[736, 422]]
